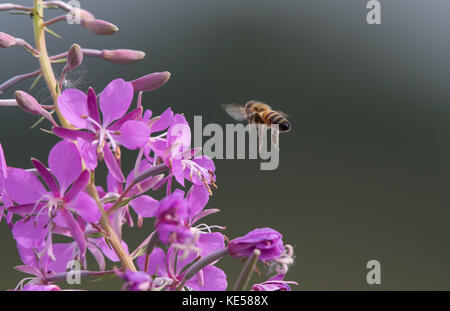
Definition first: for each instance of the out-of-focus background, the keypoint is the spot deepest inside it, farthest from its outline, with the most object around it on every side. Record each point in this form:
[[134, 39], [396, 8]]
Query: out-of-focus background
[[364, 174]]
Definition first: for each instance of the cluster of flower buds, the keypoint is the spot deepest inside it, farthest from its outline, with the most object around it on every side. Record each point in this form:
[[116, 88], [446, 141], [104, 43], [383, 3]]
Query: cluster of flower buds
[[60, 198]]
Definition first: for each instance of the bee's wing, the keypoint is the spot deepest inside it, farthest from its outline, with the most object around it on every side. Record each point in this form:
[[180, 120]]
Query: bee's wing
[[282, 113], [235, 111]]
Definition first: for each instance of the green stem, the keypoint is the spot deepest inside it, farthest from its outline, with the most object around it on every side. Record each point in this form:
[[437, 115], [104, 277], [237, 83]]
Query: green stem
[[112, 237], [61, 277], [49, 76], [44, 60], [154, 170], [247, 271]]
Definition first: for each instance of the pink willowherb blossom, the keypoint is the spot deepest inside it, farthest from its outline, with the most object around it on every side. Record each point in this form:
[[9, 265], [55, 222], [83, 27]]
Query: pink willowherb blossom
[[275, 283], [63, 200], [66, 182], [103, 136], [267, 240]]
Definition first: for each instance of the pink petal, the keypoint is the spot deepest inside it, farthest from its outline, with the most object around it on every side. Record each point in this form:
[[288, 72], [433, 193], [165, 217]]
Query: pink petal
[[135, 114], [197, 197], [30, 234], [205, 162], [46, 176], [163, 122], [76, 232], [86, 207], [214, 280], [145, 206], [64, 252], [156, 264], [203, 214], [115, 100], [3, 167], [112, 164], [101, 244], [29, 270], [64, 161], [77, 186], [73, 106], [133, 135], [210, 242], [93, 105], [41, 288], [98, 255], [88, 151], [147, 115], [24, 209], [73, 134], [112, 184], [177, 171], [23, 187]]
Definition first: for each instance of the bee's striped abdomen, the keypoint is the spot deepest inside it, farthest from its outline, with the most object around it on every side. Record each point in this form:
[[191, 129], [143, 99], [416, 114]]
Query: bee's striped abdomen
[[273, 117]]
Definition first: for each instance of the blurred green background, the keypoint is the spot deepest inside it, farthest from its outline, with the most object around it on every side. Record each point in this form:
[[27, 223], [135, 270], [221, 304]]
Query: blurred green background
[[364, 173]]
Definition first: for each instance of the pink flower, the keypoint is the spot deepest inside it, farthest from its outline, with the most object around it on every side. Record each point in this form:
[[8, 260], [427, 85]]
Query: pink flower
[[41, 288], [103, 137], [267, 240], [176, 153], [275, 283], [66, 183], [136, 280], [169, 269], [172, 218]]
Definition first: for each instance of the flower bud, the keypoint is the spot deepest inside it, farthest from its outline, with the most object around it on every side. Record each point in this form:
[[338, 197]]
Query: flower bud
[[100, 27], [74, 57], [150, 82], [123, 57], [267, 240], [83, 14], [27, 102], [7, 6], [6, 40]]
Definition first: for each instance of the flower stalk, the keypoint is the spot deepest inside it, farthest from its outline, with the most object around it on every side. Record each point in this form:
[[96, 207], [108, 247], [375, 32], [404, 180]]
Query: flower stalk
[[246, 273], [112, 237], [44, 60]]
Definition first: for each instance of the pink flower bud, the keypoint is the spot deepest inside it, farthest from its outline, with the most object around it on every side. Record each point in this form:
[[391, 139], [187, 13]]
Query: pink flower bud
[[150, 82], [74, 57], [83, 14], [123, 57], [7, 6], [99, 27], [27, 102], [6, 40]]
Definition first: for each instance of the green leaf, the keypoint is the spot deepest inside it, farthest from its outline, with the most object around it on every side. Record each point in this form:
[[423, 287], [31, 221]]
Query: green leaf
[[105, 277], [52, 33], [95, 235], [140, 252], [59, 61], [36, 80], [19, 13], [37, 122], [47, 131]]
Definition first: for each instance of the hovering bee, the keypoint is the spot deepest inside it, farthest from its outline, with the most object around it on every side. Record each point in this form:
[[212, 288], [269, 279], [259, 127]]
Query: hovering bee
[[256, 112], [259, 113]]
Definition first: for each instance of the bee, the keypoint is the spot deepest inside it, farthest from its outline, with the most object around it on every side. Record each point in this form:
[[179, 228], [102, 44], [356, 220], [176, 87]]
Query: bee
[[259, 113], [256, 112]]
